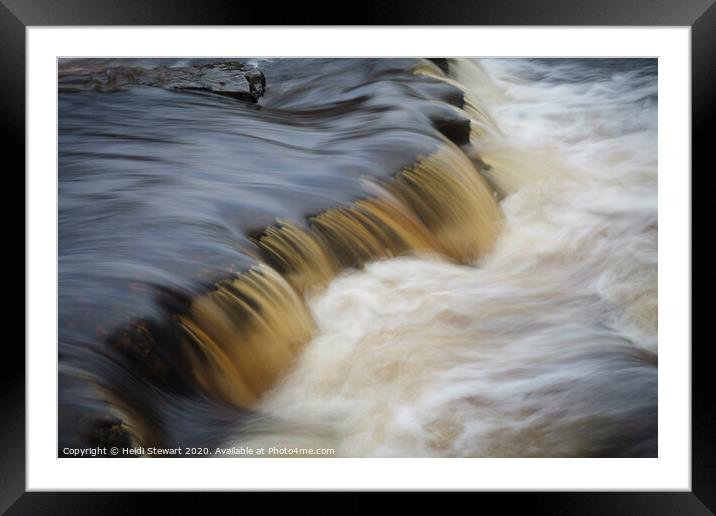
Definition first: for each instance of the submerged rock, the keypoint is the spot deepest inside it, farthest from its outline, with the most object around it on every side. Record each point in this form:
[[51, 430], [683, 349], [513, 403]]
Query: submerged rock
[[170, 202], [232, 79]]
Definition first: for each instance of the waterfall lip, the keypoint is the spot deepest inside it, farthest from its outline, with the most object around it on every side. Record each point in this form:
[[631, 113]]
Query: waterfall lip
[[326, 269], [222, 345], [183, 350]]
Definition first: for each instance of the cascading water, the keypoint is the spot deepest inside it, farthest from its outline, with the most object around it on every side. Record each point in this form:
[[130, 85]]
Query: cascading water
[[367, 255]]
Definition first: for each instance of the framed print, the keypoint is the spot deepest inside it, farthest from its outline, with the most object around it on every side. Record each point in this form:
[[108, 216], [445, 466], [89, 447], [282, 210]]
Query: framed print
[[395, 257]]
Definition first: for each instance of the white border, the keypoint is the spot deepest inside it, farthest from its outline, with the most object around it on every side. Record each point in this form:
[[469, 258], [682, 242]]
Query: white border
[[671, 471]]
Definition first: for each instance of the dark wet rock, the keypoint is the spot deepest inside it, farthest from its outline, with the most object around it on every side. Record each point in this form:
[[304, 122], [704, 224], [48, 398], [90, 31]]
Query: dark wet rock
[[163, 193], [231, 79], [257, 82], [442, 63], [453, 124]]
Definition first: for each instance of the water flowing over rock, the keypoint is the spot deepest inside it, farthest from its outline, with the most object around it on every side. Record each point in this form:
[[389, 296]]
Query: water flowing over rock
[[247, 245]]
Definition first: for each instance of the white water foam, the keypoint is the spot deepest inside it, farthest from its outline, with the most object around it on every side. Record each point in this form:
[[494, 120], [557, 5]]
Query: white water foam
[[545, 348]]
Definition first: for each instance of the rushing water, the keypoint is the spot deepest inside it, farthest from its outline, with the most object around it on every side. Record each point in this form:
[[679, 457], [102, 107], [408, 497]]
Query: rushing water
[[366, 255]]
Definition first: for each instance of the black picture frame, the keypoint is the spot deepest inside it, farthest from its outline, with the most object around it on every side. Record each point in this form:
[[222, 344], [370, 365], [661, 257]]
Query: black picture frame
[[16, 15]]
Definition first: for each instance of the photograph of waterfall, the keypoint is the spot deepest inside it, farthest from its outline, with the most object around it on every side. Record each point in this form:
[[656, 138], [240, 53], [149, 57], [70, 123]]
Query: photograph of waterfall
[[357, 257]]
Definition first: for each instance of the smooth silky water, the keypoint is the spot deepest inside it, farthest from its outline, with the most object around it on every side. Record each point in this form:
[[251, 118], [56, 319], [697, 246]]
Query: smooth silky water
[[375, 257]]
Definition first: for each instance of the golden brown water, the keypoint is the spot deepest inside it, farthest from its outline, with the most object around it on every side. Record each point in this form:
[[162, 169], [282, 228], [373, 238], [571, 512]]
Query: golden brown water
[[362, 242], [241, 337]]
